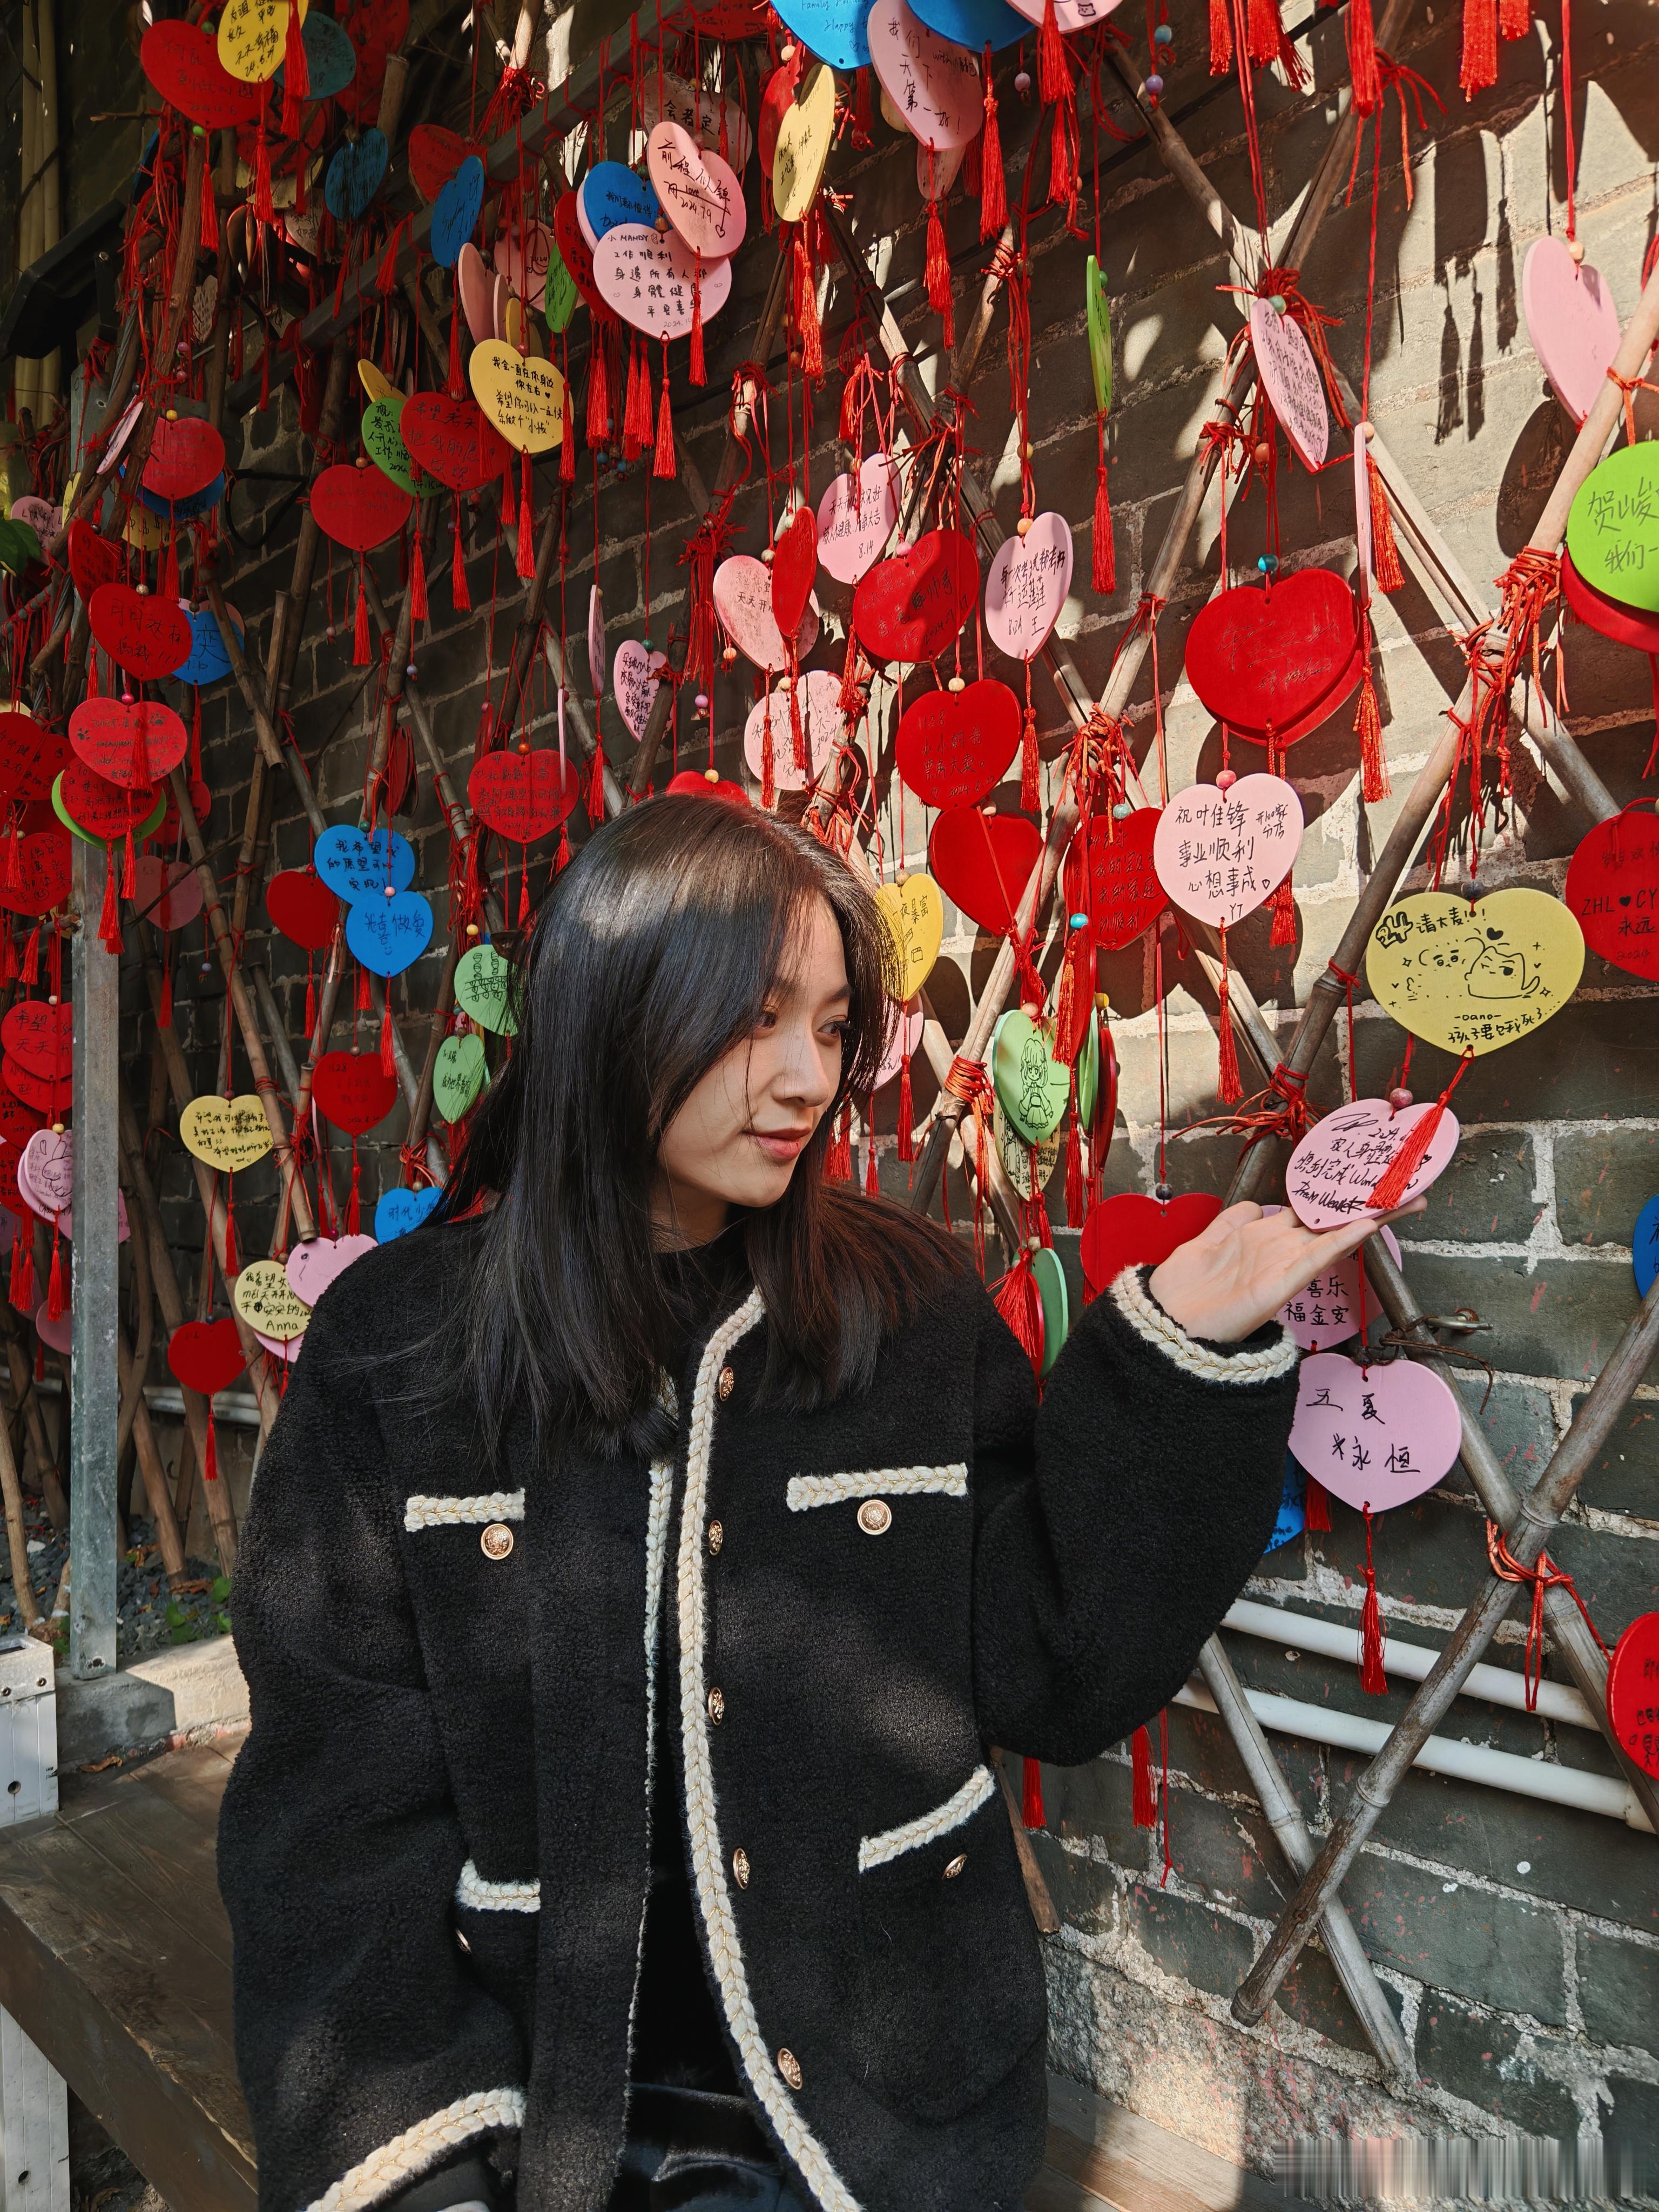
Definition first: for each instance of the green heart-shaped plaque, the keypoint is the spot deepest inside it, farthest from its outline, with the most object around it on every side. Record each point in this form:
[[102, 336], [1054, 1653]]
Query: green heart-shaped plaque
[[560, 298], [1051, 1278], [1088, 1071], [1098, 315], [458, 1075], [484, 988], [1034, 1088], [383, 441], [1613, 527], [1023, 1164]]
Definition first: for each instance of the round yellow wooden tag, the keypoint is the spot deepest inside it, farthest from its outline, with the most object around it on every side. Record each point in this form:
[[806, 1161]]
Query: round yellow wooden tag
[[376, 385], [263, 1298], [523, 397], [915, 914], [253, 37], [1470, 978], [803, 137], [227, 1133]]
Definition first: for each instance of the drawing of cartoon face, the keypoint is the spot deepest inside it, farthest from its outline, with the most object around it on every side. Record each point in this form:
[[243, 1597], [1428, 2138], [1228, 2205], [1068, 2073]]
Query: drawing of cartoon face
[[1494, 969], [1034, 1080]]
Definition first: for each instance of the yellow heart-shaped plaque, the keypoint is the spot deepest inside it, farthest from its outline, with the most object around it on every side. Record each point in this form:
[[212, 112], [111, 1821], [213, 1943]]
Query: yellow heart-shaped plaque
[[913, 912], [374, 383], [803, 137], [1470, 978], [523, 397], [266, 1302], [519, 328], [227, 1133], [253, 38], [145, 529]]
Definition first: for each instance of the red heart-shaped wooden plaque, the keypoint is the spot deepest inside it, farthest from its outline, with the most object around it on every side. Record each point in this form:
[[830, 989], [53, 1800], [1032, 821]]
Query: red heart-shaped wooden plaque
[[94, 560], [40, 1036], [1612, 887], [983, 862], [100, 808], [577, 256], [184, 65], [794, 564], [200, 806], [31, 755], [953, 747], [34, 871], [1121, 892], [434, 154], [910, 606], [1633, 1692], [452, 440], [45, 1096], [1275, 657], [522, 796], [141, 632], [303, 907], [359, 508], [184, 457], [206, 1355], [693, 783], [350, 1090], [776, 100], [134, 745], [1129, 1231], [17, 1125]]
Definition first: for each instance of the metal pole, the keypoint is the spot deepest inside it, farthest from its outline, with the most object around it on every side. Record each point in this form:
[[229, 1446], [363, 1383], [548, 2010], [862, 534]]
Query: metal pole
[[94, 1378]]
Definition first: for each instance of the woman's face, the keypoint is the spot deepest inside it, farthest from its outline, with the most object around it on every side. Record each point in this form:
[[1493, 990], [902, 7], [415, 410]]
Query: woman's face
[[736, 1140]]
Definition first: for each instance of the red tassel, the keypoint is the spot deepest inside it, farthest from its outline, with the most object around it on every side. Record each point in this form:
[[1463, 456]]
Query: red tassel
[[1389, 1189], [109, 920], [561, 858], [1373, 782], [263, 209], [388, 1060], [1104, 573], [1221, 39], [311, 999], [1282, 906], [938, 270], [992, 182], [1144, 1797], [664, 462], [417, 606], [1053, 72], [354, 1207], [360, 629], [1062, 155], [57, 1295], [596, 782], [1513, 18], [211, 1450], [1385, 549], [862, 132], [460, 597], [31, 956], [699, 370], [1017, 1299], [1031, 1813], [768, 768], [296, 78], [509, 503], [1362, 58], [1073, 1174], [165, 1014], [807, 306], [457, 381], [1372, 1678], [526, 560], [1264, 30], [871, 1179], [1478, 68], [210, 215], [1316, 1506], [21, 1291], [838, 1159], [1229, 1090], [1031, 792], [636, 404], [907, 1125]]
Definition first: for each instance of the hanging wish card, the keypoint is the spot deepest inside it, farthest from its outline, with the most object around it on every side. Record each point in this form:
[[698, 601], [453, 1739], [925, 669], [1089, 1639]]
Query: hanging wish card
[[742, 601], [651, 278], [635, 681], [700, 193], [1374, 1437], [953, 748], [983, 862], [856, 517], [1613, 889], [1334, 1170], [933, 83], [913, 912], [523, 397], [1472, 977], [1133, 1232], [821, 725], [1025, 587], [313, 1266], [1290, 376], [1571, 321], [1219, 854], [227, 1133], [1113, 879], [1613, 527]]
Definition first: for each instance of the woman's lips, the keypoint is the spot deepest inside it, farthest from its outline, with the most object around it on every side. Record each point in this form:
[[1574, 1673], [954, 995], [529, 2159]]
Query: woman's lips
[[780, 1144]]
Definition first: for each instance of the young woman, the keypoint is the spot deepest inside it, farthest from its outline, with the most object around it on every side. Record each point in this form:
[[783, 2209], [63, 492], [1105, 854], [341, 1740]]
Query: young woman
[[645, 1560]]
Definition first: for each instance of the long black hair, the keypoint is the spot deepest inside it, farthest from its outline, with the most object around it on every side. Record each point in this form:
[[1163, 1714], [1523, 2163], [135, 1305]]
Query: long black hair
[[653, 954]]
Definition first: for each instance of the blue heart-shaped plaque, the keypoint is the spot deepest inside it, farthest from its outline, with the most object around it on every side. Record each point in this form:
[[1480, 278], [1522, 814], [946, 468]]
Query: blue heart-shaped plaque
[[611, 194], [209, 662], [1292, 1513], [400, 1211], [357, 868], [456, 210], [330, 57], [186, 509], [974, 24], [390, 934], [836, 31], [354, 175], [1644, 1247]]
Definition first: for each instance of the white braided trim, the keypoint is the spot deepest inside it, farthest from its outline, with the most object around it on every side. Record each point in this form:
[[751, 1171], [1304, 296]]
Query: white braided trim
[[656, 1558], [408, 2155], [424, 1512], [1150, 1321], [809, 1490], [928, 1827], [483, 1896], [707, 1857]]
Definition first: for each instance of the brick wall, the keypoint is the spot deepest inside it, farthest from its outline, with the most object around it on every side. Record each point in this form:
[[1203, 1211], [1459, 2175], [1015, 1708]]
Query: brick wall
[[1518, 1941]]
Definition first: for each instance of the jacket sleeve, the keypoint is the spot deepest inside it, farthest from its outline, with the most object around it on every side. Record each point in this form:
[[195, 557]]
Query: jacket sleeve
[[1116, 1524], [369, 2053]]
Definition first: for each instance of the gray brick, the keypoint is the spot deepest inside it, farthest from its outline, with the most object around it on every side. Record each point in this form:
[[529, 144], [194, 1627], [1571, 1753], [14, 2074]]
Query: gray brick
[[1619, 1989], [1603, 1178], [1495, 2066], [1484, 1195], [1493, 1949], [1562, 1317], [1625, 1477], [1592, 1060], [1188, 1940]]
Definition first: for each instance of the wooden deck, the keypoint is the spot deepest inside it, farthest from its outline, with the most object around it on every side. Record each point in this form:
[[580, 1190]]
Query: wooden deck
[[115, 1960]]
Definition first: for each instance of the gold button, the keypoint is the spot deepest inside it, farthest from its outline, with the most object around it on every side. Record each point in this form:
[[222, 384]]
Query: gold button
[[716, 1706], [740, 1867], [956, 1866], [789, 2066], [496, 1541], [727, 1385], [875, 1516], [716, 1536]]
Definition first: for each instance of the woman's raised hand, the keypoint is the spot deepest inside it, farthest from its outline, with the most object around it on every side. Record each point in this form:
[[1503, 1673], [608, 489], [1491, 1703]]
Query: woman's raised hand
[[1236, 1274]]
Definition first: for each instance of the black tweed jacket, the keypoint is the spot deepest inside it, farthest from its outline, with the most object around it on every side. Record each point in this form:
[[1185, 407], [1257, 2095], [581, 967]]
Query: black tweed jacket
[[435, 1844]]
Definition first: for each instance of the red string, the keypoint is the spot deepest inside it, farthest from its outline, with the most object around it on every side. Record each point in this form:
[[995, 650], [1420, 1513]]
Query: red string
[[1544, 1575]]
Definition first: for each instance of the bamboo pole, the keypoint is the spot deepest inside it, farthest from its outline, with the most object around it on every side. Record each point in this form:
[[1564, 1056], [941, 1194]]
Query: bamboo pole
[[11, 1490]]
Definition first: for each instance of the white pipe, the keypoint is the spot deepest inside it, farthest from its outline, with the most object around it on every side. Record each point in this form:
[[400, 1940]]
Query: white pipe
[[1468, 1762], [241, 1409], [1332, 1640]]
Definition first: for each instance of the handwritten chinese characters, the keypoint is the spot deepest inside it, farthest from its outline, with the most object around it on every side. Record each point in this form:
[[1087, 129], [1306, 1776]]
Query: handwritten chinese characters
[[1025, 587], [1374, 1437], [1334, 1170], [1470, 978], [1219, 854], [654, 281]]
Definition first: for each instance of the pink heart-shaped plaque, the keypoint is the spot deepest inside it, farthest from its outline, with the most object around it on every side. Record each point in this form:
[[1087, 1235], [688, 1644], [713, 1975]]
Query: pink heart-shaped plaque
[[1334, 1170], [633, 679], [1025, 587], [55, 1334], [821, 727], [1374, 1437], [743, 600], [478, 290], [522, 259], [45, 1178], [167, 892], [856, 517], [655, 281], [1571, 321], [1290, 376], [280, 1347], [933, 83], [700, 195], [1327, 1311], [312, 1267], [905, 1042], [1220, 854]]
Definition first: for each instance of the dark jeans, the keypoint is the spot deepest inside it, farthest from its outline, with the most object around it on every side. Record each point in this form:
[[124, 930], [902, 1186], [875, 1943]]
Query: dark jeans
[[690, 2150]]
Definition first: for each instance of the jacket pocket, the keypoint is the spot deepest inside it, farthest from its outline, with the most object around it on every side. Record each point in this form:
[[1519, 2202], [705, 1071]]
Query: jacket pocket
[[951, 1994]]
